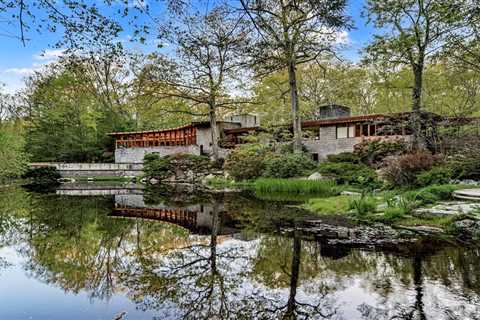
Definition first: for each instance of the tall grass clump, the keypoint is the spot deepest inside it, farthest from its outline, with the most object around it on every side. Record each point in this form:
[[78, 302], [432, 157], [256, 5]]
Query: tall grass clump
[[296, 186], [362, 206]]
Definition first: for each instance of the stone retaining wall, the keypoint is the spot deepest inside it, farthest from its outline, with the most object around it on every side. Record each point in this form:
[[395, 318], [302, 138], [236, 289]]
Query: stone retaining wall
[[94, 169]]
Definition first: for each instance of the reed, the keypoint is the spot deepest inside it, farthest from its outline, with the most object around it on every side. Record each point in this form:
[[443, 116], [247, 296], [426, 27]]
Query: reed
[[296, 186]]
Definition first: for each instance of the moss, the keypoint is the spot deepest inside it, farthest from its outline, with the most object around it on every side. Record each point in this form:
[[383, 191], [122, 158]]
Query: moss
[[441, 222]]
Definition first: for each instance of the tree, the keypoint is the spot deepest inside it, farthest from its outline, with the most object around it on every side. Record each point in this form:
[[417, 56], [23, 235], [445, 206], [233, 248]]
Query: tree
[[290, 33], [13, 159], [414, 30], [82, 23], [205, 67]]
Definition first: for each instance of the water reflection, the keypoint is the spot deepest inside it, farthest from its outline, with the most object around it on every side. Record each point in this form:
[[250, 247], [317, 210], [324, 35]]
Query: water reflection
[[219, 257]]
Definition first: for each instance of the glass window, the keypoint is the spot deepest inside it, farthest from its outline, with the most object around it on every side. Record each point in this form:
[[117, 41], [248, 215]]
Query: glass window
[[351, 131], [342, 132]]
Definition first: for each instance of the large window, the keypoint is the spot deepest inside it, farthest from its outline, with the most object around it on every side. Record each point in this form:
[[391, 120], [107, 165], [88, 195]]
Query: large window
[[344, 131]]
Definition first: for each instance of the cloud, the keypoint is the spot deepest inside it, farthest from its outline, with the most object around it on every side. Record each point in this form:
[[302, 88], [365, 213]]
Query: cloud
[[13, 78], [20, 71], [49, 55]]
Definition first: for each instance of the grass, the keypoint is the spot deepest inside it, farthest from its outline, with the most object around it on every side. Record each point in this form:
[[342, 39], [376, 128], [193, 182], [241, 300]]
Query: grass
[[331, 205], [296, 186]]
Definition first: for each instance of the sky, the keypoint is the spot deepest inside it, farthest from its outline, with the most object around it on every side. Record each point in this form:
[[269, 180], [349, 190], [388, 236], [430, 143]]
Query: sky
[[18, 61]]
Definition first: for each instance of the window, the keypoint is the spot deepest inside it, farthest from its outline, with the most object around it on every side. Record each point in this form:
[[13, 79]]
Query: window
[[315, 157], [342, 132], [351, 131]]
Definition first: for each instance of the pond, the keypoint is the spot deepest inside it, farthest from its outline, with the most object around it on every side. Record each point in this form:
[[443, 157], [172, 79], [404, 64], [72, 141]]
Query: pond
[[101, 252]]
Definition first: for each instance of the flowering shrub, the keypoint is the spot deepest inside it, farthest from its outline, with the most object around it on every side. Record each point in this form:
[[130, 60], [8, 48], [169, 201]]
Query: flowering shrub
[[403, 170]]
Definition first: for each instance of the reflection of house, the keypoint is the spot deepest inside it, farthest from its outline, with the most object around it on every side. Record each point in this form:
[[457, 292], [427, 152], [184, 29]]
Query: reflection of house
[[198, 218], [333, 130]]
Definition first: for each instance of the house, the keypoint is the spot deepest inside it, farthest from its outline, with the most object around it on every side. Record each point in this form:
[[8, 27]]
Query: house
[[193, 138], [333, 130]]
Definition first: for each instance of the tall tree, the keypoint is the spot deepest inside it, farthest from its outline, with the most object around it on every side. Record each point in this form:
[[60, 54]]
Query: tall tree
[[290, 33], [205, 65], [413, 31]]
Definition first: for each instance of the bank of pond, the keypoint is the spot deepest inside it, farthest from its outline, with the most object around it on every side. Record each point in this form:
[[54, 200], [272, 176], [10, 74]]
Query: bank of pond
[[103, 251]]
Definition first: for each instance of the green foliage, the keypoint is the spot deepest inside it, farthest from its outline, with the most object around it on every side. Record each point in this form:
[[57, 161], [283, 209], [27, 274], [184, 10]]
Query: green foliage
[[330, 205], [465, 164], [393, 214], [42, 177], [288, 165], [318, 187], [436, 175], [162, 168], [156, 167], [373, 152], [68, 122], [350, 173], [363, 205], [431, 194], [13, 159], [348, 157], [247, 161]]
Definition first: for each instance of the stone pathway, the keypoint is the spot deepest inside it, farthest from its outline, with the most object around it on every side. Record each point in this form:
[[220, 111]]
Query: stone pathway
[[467, 194]]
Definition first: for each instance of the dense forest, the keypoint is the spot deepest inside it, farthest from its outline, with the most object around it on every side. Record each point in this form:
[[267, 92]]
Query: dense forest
[[279, 59]]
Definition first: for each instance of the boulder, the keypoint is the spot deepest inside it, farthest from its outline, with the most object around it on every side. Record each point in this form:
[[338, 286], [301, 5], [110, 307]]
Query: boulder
[[315, 176], [350, 193], [447, 209], [154, 181]]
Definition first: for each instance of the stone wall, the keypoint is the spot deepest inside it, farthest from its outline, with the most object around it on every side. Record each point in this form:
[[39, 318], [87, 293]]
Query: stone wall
[[329, 144], [94, 169], [135, 155]]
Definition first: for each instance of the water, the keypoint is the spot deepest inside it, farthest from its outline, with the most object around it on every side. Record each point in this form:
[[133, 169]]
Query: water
[[172, 256]]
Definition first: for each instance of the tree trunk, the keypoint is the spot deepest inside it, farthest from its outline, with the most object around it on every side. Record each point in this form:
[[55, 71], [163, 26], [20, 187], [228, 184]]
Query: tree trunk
[[297, 125], [214, 129], [417, 106]]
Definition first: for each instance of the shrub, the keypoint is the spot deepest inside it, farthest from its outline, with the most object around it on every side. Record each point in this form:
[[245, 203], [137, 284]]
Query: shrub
[[374, 152], [350, 173], [402, 170], [176, 164], [430, 195], [466, 164], [246, 161], [287, 165], [394, 213], [156, 167], [362, 206], [42, 176], [349, 157], [437, 175], [318, 187]]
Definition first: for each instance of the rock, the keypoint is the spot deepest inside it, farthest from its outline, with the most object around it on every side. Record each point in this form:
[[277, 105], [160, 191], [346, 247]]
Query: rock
[[154, 181], [467, 228], [424, 229], [315, 176], [467, 194], [208, 177], [445, 209], [382, 206], [350, 193]]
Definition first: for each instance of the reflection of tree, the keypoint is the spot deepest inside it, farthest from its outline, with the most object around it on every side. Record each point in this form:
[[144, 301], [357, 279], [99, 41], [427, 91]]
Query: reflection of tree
[[321, 306], [197, 281], [73, 244]]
